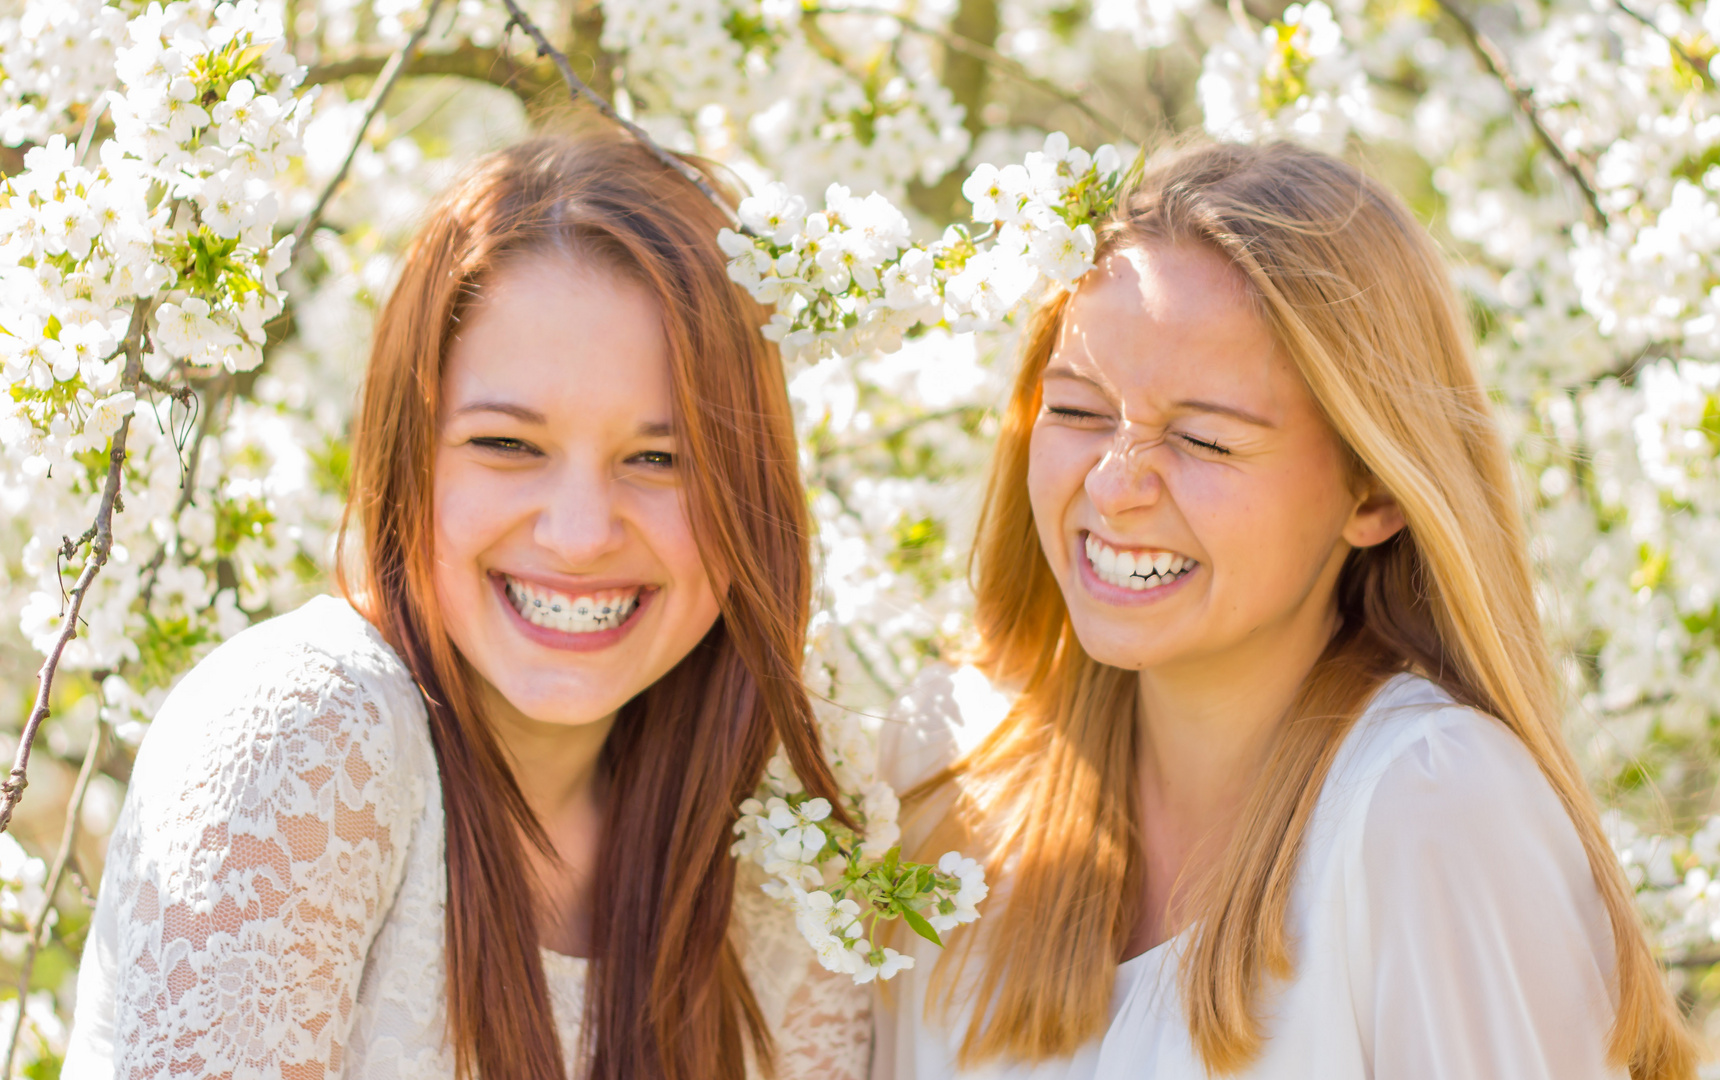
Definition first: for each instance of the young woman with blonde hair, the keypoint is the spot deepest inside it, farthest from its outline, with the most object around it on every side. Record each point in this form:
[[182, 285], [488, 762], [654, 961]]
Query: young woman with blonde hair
[[1262, 738], [475, 818]]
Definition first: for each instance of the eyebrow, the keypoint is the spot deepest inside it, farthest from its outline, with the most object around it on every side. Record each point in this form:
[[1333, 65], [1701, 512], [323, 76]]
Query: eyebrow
[[1189, 405], [506, 408], [1224, 410], [652, 429]]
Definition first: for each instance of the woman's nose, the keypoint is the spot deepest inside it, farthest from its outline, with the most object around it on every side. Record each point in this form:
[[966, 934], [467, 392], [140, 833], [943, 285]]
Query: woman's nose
[[1126, 478], [578, 520]]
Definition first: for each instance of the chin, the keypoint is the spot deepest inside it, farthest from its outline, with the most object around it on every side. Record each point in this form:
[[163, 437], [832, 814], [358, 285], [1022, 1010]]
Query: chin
[[1117, 647], [569, 706]]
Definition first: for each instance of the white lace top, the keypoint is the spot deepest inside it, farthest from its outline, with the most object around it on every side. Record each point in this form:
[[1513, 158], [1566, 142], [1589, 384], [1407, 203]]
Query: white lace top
[[273, 899], [1445, 920]]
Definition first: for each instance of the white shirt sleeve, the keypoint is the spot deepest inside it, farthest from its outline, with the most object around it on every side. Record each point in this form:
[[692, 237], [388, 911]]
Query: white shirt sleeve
[[1492, 954], [261, 845]]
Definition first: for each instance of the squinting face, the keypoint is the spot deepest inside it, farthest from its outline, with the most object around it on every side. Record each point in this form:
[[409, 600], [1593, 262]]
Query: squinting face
[[1190, 498], [565, 562]]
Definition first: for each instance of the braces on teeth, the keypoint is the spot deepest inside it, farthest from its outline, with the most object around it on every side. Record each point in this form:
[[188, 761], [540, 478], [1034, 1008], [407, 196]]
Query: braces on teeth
[[573, 615], [1131, 571]]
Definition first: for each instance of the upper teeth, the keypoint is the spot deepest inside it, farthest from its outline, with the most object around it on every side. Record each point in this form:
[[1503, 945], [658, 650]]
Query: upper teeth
[[1135, 569], [586, 614]]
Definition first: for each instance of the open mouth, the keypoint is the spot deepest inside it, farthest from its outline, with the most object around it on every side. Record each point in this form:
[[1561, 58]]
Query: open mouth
[[1137, 570], [587, 613]]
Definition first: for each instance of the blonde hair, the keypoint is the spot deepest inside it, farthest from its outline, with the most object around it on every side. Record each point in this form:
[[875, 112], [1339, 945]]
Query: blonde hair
[[1356, 294]]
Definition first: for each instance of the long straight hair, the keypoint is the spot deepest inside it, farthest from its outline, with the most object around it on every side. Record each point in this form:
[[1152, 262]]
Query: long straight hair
[[666, 998], [1356, 294]]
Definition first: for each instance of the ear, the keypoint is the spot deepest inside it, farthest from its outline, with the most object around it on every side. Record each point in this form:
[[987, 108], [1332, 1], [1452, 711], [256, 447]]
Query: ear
[[1376, 518]]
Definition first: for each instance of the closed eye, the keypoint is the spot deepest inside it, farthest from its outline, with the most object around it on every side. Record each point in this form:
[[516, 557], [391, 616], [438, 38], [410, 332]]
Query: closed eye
[[1066, 413], [1204, 445]]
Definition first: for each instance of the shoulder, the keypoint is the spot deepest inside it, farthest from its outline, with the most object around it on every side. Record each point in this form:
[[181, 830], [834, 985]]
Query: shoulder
[[325, 633], [313, 684], [945, 712], [1454, 813], [1437, 772]]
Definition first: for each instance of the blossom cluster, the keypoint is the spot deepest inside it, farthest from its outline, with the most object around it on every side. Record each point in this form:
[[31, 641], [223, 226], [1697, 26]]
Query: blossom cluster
[[137, 272], [1291, 79], [841, 884], [54, 58], [1677, 881], [848, 279], [767, 78]]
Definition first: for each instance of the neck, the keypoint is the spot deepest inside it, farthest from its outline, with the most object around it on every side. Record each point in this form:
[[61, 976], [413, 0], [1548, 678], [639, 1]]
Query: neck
[[1205, 727], [1206, 720], [555, 765], [1206, 724]]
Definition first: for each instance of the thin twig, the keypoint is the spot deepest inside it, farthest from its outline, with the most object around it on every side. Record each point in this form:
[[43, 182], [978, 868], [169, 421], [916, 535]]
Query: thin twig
[[100, 539], [379, 92], [984, 53], [1697, 68], [39, 927], [577, 87], [206, 424], [1493, 58]]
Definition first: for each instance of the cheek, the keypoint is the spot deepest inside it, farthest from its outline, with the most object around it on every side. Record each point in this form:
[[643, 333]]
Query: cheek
[[664, 520], [470, 514], [1266, 531], [460, 510], [1057, 467]]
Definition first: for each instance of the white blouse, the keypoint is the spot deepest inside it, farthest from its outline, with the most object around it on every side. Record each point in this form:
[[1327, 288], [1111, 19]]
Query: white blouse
[[274, 894], [1445, 920]]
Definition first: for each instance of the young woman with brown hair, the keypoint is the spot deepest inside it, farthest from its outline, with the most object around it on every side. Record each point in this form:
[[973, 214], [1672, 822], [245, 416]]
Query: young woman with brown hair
[[1262, 737], [475, 818]]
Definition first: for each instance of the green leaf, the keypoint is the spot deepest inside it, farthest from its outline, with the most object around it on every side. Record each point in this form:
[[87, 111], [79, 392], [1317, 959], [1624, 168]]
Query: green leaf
[[922, 927]]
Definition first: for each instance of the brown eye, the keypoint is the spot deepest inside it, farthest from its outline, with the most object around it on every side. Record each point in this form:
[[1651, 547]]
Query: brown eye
[[501, 445], [657, 459]]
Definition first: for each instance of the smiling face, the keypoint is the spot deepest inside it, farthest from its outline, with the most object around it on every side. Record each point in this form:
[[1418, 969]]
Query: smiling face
[[1190, 498], [565, 564]]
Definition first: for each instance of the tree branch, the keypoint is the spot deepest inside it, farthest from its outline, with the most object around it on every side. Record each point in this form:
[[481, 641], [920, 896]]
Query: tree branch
[[494, 66], [577, 87], [1493, 58], [38, 929], [100, 539], [985, 54], [379, 92], [1697, 68]]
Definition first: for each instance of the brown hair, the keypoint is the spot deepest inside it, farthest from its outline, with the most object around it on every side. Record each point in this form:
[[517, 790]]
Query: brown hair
[[1356, 294], [667, 997]]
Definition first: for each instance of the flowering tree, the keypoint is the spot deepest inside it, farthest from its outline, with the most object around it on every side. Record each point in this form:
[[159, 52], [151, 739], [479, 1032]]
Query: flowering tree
[[202, 203]]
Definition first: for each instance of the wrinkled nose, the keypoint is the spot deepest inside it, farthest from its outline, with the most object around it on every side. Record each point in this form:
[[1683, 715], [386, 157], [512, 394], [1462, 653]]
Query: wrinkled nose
[[1126, 478]]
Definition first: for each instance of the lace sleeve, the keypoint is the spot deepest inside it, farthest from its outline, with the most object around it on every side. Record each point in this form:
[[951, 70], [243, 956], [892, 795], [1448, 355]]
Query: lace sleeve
[[821, 1022], [259, 851], [826, 1033]]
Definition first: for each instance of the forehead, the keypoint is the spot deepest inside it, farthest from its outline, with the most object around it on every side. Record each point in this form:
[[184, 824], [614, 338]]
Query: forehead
[[565, 338], [1160, 323]]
